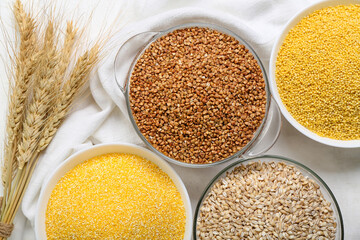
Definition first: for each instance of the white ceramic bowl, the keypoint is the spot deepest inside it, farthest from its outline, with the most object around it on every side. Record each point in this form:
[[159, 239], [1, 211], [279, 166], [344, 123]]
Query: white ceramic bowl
[[273, 88], [97, 150]]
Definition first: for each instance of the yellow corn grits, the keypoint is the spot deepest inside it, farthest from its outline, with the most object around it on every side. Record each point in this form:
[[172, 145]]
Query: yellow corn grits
[[115, 196], [318, 72]]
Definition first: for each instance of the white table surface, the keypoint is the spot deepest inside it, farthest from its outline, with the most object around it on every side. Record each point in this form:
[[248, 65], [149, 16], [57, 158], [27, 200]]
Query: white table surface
[[339, 168]]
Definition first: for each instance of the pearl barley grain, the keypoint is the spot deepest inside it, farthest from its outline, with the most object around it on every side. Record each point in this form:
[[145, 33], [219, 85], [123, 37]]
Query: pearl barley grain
[[197, 95], [115, 196]]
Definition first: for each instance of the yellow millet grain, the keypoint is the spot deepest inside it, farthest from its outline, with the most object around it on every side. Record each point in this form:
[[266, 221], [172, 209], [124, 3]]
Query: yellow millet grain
[[115, 196], [318, 72]]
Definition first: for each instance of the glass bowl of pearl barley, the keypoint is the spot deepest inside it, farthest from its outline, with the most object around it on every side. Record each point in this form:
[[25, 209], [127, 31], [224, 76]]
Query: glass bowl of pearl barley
[[267, 197]]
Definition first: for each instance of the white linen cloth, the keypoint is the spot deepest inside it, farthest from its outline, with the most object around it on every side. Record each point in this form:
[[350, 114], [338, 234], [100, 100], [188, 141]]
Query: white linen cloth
[[101, 116]]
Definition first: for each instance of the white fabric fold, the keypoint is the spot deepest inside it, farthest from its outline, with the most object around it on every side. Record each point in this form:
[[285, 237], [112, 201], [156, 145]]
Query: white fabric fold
[[102, 116]]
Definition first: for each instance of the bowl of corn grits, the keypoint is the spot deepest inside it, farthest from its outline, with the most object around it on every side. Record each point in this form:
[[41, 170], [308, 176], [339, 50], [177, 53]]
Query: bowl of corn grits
[[114, 191], [314, 72]]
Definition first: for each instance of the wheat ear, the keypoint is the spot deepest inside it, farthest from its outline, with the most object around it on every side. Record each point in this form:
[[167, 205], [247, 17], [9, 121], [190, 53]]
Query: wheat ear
[[38, 109], [25, 67], [79, 76], [64, 59]]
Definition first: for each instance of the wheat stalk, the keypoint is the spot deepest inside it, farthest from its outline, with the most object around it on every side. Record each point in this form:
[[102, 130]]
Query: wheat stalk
[[25, 68], [34, 116], [27, 163], [47, 79]]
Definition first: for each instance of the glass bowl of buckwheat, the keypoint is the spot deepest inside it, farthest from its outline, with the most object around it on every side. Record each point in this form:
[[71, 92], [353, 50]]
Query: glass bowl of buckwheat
[[197, 94]]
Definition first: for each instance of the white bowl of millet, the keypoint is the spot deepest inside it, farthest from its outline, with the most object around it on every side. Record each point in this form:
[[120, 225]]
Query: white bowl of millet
[[314, 82]]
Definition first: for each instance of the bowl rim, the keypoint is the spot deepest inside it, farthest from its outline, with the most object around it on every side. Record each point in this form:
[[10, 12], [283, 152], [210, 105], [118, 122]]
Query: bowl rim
[[300, 166], [97, 150], [272, 80], [222, 29]]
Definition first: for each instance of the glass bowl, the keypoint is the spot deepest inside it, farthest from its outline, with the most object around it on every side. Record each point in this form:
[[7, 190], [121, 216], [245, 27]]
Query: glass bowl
[[307, 172], [264, 137], [272, 67], [86, 154]]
